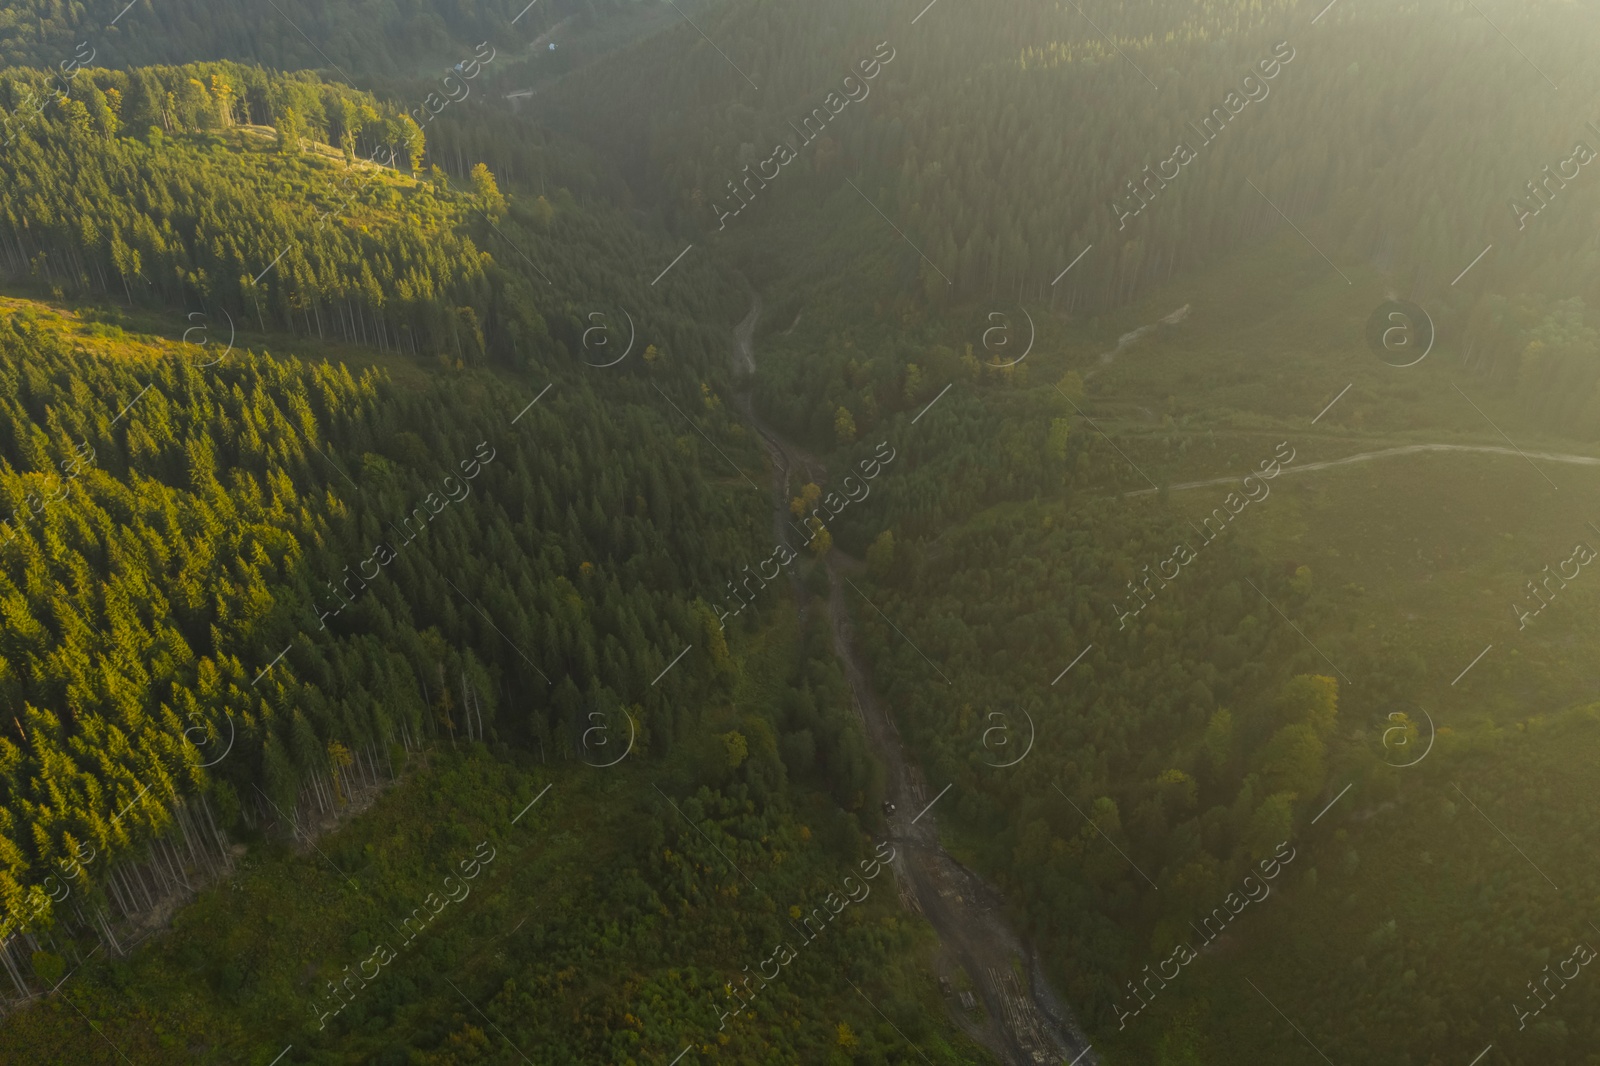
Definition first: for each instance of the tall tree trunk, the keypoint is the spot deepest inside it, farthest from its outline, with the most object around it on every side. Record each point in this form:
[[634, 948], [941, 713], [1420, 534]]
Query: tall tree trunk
[[107, 935], [12, 968]]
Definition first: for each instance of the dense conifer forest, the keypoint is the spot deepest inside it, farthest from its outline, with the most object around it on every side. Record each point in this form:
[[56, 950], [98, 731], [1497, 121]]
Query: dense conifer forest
[[401, 401]]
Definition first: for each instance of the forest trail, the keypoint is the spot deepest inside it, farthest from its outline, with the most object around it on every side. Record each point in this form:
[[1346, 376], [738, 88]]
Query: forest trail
[[1106, 358], [1023, 1022], [1408, 449]]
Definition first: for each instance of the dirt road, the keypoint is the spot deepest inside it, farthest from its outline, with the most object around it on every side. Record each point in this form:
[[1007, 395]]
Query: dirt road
[[1022, 1022], [1408, 449]]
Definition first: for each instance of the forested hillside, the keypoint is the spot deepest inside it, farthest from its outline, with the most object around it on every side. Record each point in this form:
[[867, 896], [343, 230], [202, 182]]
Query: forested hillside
[[379, 480], [1003, 144], [268, 226], [236, 504], [395, 39], [249, 592], [1248, 648], [238, 498], [496, 906], [1203, 726]]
